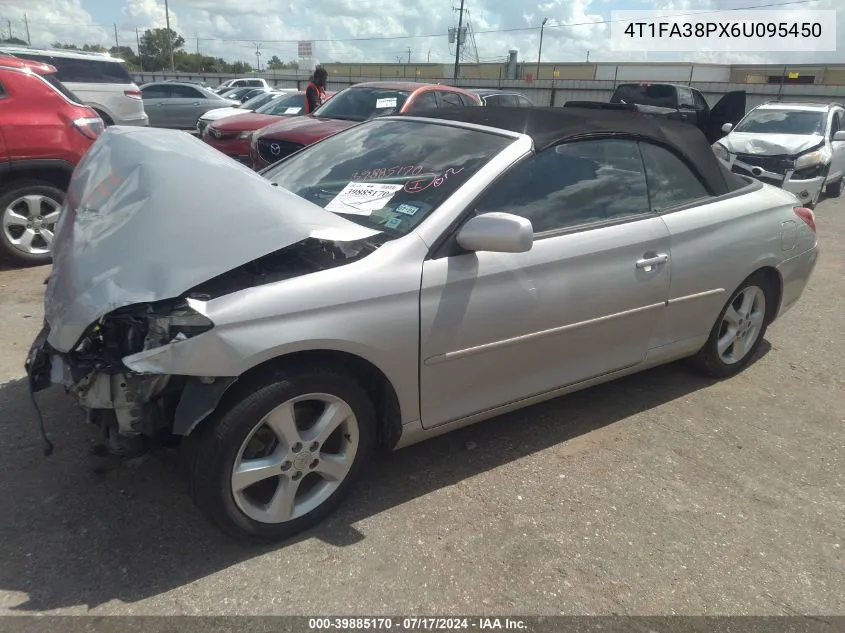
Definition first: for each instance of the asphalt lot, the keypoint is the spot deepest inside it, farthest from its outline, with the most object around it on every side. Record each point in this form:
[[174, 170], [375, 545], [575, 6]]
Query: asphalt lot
[[662, 493]]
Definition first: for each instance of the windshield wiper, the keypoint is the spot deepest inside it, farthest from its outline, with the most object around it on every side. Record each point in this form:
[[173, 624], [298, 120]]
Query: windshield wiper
[[345, 118]]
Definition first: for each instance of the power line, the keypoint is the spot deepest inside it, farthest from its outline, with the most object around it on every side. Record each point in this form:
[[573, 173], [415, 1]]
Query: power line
[[434, 35]]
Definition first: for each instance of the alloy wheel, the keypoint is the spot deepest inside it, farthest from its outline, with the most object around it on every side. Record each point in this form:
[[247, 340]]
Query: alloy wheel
[[29, 223], [741, 325], [295, 458]]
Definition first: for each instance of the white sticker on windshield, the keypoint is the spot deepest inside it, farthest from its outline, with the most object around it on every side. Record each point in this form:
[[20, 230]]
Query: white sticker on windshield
[[293, 110], [362, 198], [389, 102]]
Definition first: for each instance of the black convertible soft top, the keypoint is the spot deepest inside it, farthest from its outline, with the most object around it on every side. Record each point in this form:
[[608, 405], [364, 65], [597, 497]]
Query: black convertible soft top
[[550, 126]]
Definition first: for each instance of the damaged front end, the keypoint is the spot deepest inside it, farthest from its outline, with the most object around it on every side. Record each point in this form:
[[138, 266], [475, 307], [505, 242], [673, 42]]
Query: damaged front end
[[143, 245]]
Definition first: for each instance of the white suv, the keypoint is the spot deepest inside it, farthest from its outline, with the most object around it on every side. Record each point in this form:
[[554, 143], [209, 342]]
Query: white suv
[[799, 147], [100, 80], [243, 82]]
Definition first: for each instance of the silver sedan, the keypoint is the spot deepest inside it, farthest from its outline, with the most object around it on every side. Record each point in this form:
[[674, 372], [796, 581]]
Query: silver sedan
[[398, 280]]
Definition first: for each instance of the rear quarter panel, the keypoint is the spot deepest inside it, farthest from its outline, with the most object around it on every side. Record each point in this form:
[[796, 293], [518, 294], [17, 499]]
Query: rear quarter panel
[[111, 100], [715, 246]]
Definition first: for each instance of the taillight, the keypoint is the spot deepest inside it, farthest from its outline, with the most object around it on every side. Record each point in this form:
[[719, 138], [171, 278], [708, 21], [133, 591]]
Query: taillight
[[132, 94], [90, 127], [807, 215]]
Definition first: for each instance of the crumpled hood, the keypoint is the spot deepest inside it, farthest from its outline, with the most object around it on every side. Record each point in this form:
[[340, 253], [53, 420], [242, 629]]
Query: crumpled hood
[[222, 113], [152, 213], [770, 144], [305, 129]]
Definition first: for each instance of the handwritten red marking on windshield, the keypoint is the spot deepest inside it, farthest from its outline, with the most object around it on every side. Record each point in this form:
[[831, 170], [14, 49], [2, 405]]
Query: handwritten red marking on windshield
[[388, 172], [418, 186]]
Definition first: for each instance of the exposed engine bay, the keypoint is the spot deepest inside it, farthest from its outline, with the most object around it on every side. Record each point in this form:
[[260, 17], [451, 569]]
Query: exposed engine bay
[[136, 404]]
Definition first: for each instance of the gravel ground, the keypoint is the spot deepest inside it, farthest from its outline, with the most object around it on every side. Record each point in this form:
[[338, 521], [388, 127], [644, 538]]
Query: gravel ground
[[661, 493]]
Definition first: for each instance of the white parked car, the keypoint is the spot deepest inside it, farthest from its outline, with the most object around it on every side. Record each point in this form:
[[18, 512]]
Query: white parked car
[[100, 80], [247, 106], [242, 82], [799, 147]]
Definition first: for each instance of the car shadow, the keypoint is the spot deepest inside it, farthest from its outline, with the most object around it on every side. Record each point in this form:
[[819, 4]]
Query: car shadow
[[73, 537]]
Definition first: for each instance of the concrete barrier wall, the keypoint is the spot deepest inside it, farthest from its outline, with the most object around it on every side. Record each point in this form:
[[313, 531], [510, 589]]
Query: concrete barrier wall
[[545, 92]]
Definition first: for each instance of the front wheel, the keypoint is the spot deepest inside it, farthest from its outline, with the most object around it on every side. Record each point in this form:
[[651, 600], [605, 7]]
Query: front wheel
[[282, 457], [29, 211], [738, 331], [834, 189]]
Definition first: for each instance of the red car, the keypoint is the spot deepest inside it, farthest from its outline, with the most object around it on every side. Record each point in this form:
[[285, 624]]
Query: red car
[[232, 134], [349, 107], [44, 132]]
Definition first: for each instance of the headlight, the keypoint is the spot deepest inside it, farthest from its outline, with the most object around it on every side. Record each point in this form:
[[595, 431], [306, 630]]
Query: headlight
[[178, 324], [245, 135], [721, 152], [811, 159]]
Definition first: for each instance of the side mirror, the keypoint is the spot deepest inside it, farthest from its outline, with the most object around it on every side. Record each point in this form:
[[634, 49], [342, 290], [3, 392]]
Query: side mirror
[[727, 127], [497, 233], [839, 136]]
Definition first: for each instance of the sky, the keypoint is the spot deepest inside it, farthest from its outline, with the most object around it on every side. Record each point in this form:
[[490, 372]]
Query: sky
[[385, 30]]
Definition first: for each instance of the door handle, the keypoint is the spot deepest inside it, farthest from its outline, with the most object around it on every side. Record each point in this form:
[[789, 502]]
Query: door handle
[[648, 263]]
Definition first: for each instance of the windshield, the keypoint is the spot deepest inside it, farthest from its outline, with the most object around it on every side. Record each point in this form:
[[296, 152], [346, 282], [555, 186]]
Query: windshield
[[387, 175], [803, 122], [259, 100], [360, 104], [287, 104], [661, 95]]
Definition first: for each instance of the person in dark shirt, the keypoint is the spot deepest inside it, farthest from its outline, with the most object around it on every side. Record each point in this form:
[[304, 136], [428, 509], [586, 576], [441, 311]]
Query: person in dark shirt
[[316, 90]]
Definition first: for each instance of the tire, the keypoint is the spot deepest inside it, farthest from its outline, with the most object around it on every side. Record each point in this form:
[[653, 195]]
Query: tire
[[237, 433], [834, 189], [736, 357], [107, 120], [16, 210]]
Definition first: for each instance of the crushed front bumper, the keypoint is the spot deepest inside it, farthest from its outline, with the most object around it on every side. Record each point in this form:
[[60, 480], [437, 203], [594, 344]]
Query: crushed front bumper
[[779, 171]]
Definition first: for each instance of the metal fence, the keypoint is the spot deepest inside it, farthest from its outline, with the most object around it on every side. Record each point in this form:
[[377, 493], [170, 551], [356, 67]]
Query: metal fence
[[547, 92]]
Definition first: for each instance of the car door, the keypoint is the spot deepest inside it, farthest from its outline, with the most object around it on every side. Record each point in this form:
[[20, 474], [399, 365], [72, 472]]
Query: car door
[[500, 327], [729, 109], [837, 160], [686, 106], [707, 245], [186, 105], [156, 98]]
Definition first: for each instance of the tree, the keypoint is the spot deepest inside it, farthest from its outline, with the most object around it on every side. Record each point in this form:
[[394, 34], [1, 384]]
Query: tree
[[68, 47], [126, 54], [275, 63], [13, 40], [154, 51], [238, 68]]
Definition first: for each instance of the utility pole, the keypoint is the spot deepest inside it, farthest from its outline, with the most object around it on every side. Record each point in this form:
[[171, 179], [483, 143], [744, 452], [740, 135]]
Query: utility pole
[[409, 54], [169, 39], [258, 57], [429, 57], [116, 43], [138, 44], [540, 52], [10, 28], [26, 23], [458, 42], [198, 43]]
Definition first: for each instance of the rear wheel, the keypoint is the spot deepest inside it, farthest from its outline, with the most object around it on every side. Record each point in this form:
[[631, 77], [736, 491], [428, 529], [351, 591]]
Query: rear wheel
[[283, 455], [29, 211], [738, 331], [834, 189], [107, 120]]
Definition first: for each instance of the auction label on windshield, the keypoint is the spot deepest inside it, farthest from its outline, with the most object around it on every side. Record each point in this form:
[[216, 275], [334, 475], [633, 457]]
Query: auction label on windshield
[[795, 30], [293, 110], [389, 102], [362, 198]]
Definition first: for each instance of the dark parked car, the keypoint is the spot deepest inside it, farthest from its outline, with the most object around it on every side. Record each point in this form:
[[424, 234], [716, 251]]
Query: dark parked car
[[674, 102]]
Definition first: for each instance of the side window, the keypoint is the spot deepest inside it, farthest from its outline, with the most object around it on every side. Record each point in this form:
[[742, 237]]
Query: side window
[[157, 91], [424, 101], [510, 101], [451, 99], [524, 102], [493, 100], [2, 91], [670, 182], [836, 122], [186, 92], [573, 184], [685, 97], [700, 101], [468, 102]]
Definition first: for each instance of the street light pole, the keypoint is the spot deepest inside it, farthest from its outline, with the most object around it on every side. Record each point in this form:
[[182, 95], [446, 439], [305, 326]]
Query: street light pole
[[540, 52], [169, 39]]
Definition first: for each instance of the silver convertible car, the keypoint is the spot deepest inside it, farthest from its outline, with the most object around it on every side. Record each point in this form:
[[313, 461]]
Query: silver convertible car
[[395, 281]]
